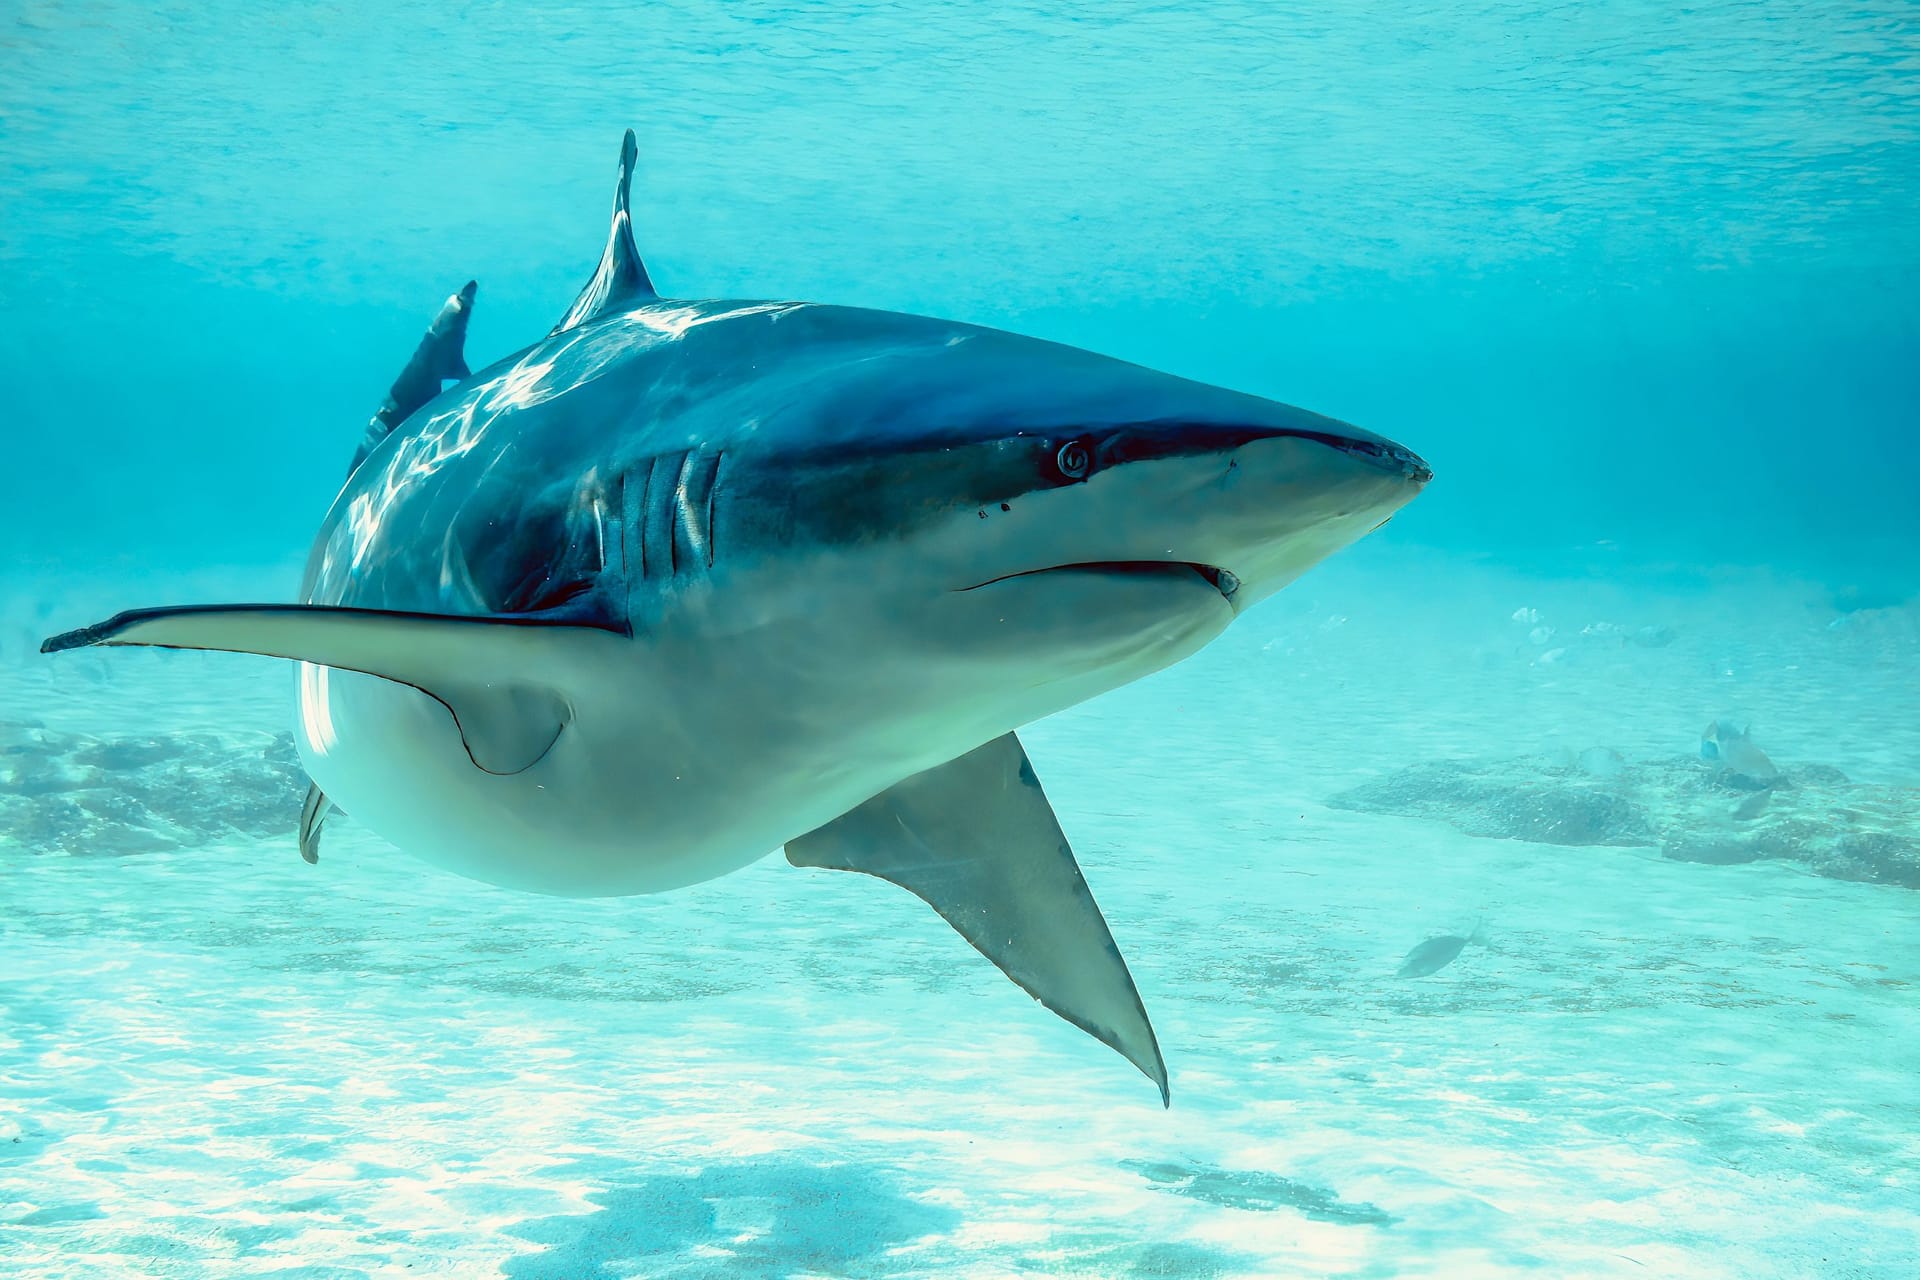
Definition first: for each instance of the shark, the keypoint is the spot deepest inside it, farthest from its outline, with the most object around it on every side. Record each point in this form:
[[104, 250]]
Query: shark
[[685, 582]]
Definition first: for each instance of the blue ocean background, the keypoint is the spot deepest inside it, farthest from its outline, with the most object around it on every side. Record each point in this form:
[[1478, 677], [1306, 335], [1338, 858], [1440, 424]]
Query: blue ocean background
[[1638, 280]]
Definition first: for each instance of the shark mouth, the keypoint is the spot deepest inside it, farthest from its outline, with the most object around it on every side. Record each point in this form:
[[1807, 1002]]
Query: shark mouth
[[1214, 576]]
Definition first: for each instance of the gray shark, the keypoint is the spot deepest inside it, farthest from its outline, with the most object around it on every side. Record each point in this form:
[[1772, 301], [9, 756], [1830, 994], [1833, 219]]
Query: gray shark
[[687, 581]]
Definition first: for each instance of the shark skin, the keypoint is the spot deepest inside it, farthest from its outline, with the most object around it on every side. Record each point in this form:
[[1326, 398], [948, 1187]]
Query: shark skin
[[685, 582]]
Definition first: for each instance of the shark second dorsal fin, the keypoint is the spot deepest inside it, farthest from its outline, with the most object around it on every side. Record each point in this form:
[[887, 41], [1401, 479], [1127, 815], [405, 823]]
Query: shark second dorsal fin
[[440, 358], [621, 280]]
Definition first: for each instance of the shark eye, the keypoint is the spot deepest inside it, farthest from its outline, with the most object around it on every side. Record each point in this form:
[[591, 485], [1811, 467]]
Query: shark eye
[[1073, 460]]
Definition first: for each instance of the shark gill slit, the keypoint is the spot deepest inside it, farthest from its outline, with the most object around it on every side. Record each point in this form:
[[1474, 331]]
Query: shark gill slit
[[656, 539], [599, 533], [632, 560], [713, 486], [693, 512], [683, 533], [674, 495]]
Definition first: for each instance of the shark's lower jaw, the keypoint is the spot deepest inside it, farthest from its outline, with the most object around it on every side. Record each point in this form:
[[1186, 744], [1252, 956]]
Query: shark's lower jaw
[[1219, 579]]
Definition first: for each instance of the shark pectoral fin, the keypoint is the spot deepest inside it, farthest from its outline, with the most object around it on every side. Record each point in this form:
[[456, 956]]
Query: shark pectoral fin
[[314, 812], [976, 839], [497, 675]]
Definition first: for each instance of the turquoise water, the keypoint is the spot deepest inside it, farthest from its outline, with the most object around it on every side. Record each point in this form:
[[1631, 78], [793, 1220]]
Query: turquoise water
[[1638, 281]]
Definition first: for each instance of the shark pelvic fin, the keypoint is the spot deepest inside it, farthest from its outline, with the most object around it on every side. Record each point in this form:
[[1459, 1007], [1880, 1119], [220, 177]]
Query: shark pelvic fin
[[502, 678], [976, 839], [439, 359], [314, 812], [620, 281]]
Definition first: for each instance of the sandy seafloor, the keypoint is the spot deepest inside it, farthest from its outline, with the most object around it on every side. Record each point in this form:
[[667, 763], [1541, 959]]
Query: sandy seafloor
[[220, 1061]]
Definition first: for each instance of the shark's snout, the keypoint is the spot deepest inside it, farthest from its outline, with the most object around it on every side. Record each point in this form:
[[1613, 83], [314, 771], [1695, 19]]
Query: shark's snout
[[1246, 502], [1389, 457], [1285, 500]]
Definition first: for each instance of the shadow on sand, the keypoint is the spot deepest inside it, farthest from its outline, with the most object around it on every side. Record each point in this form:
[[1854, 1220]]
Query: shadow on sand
[[769, 1218]]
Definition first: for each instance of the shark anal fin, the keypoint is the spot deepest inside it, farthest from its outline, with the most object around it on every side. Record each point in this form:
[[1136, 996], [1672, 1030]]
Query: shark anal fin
[[620, 282], [494, 674], [976, 839], [438, 359], [314, 812]]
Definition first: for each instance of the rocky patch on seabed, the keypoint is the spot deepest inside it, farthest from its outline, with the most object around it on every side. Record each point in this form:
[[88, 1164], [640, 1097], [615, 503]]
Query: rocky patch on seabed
[[1690, 810], [73, 793], [78, 794]]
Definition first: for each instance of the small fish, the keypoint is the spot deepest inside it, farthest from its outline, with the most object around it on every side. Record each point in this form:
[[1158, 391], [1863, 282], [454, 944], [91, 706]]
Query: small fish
[[1729, 744], [1752, 807], [1436, 954]]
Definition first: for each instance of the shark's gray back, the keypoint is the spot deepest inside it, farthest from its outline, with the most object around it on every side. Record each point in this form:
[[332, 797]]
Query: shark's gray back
[[521, 489], [508, 493]]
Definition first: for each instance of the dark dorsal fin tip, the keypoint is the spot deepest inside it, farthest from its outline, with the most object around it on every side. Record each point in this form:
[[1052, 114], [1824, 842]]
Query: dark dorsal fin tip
[[620, 281], [629, 156], [454, 317]]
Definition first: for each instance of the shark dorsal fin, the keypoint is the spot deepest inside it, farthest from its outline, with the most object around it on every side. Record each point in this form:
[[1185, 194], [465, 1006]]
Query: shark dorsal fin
[[621, 280]]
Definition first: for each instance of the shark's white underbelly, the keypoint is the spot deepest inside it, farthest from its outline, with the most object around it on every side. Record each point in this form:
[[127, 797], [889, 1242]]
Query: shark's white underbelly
[[686, 755], [393, 759], [603, 814]]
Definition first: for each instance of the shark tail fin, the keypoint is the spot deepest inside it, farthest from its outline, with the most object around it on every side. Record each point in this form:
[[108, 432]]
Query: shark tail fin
[[1479, 935], [506, 680]]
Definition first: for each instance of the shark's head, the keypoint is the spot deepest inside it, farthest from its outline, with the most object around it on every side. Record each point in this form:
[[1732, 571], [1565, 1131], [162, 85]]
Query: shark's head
[[1087, 518]]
